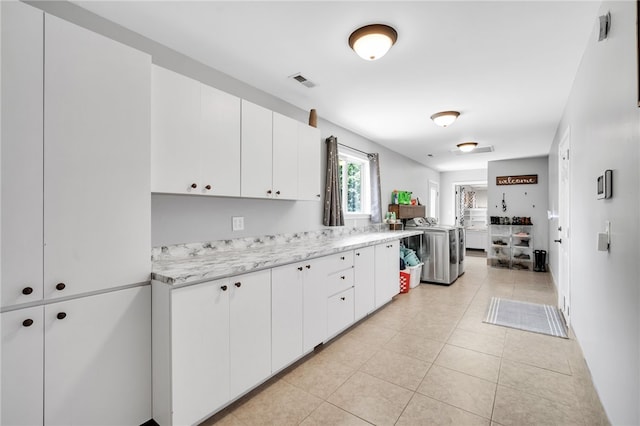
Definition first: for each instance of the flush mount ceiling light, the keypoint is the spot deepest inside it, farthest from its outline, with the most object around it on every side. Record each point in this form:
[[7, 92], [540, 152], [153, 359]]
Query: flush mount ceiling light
[[467, 146], [445, 118], [372, 42]]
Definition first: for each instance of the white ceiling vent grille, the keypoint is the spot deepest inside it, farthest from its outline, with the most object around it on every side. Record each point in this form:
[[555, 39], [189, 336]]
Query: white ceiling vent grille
[[303, 80], [478, 150]]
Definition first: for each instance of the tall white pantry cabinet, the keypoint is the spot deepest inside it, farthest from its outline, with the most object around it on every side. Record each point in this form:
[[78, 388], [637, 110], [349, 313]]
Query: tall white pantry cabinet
[[75, 225]]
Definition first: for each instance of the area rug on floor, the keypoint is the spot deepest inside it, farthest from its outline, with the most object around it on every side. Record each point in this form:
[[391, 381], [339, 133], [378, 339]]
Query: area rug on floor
[[543, 319]]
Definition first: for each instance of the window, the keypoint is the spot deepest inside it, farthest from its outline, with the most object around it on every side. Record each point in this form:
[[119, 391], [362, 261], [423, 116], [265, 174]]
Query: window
[[354, 182]]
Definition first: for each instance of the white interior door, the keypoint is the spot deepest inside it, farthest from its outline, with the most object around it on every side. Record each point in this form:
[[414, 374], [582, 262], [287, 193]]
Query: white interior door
[[563, 240]]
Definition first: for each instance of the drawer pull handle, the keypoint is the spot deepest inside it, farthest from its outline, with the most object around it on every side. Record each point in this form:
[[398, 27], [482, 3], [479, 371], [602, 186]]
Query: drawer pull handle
[[27, 290], [223, 288], [61, 315], [269, 191], [342, 277], [277, 192], [238, 284], [342, 298], [194, 186], [341, 257], [27, 323], [300, 268], [60, 286], [208, 187], [308, 266], [357, 254]]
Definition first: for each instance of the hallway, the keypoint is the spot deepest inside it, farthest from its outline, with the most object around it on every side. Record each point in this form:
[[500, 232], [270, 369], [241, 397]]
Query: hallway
[[428, 359]]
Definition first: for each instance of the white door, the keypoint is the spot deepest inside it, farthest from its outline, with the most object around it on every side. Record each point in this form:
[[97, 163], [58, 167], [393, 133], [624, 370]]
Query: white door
[[256, 151], [434, 199], [563, 239], [97, 353], [285, 157], [309, 173], [22, 91], [22, 379], [97, 195], [286, 315], [250, 330], [219, 156], [199, 350], [364, 281]]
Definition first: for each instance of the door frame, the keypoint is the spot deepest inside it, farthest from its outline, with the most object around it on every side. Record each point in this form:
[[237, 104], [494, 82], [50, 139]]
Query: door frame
[[434, 185], [564, 228]]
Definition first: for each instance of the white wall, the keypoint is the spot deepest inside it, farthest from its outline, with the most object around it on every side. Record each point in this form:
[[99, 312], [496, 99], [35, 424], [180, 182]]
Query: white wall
[[522, 200], [448, 180], [604, 122], [177, 219]]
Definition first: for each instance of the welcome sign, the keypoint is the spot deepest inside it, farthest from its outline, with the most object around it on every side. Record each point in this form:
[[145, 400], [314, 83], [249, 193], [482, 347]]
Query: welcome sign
[[517, 180]]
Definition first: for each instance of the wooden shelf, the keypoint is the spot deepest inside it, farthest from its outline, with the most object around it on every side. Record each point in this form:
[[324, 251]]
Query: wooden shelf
[[407, 211]]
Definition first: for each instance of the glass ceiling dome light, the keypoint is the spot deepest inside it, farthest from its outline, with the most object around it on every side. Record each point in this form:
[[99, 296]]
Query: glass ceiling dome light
[[445, 118], [372, 42], [467, 146]]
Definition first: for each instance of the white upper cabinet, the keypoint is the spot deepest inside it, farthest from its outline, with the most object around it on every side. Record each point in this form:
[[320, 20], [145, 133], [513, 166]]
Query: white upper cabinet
[[309, 154], [285, 157], [96, 162], [22, 156], [220, 142], [195, 137], [257, 151]]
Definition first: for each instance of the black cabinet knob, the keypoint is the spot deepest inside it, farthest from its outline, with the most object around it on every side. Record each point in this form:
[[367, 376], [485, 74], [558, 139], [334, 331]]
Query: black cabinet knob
[[342, 277], [341, 257], [194, 186], [27, 290], [357, 254], [223, 288], [61, 315], [308, 266], [60, 286], [318, 195], [27, 323], [342, 298], [208, 187], [269, 191], [299, 268], [277, 192], [238, 284]]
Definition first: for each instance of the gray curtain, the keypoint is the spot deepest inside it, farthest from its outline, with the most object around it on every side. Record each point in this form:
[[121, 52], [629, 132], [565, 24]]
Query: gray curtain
[[376, 197], [333, 215]]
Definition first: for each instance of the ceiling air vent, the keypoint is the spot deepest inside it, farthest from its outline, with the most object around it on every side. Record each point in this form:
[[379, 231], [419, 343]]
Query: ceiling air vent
[[303, 80], [478, 150]]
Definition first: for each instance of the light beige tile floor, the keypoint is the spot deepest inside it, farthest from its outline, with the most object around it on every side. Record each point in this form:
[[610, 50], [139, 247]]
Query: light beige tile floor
[[428, 359]]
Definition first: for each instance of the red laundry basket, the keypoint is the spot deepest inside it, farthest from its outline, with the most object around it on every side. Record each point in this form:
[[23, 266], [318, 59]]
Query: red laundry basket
[[405, 280]]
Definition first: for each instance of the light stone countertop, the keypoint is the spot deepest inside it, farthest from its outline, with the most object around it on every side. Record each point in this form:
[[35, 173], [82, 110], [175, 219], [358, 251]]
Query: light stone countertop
[[184, 264]]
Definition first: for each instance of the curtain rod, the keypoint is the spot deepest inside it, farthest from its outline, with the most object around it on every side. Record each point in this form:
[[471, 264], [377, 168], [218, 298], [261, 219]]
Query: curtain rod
[[346, 146]]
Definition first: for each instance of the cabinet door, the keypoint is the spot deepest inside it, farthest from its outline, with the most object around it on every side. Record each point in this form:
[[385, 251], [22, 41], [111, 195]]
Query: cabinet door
[[175, 132], [97, 364], [286, 315], [22, 380], [200, 350], [387, 268], [256, 151], [340, 312], [315, 304], [364, 282], [309, 154], [219, 158], [285, 157], [250, 330], [96, 161], [21, 180]]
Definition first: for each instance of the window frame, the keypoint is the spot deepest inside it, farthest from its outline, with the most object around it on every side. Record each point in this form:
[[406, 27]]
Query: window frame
[[351, 156]]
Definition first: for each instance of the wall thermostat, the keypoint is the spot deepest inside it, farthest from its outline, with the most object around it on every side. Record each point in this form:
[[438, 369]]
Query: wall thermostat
[[605, 184]]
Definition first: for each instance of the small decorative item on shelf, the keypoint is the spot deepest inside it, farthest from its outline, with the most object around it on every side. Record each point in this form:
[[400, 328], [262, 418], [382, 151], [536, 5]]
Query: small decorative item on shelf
[[313, 118]]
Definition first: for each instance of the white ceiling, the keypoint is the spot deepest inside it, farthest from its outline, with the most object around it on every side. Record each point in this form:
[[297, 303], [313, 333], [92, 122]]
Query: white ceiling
[[507, 66]]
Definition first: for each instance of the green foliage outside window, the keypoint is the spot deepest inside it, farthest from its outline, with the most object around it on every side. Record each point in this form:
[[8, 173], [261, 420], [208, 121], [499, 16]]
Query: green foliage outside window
[[352, 172]]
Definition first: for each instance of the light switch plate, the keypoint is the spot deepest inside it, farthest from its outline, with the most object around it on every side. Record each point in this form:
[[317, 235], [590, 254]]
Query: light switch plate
[[237, 223]]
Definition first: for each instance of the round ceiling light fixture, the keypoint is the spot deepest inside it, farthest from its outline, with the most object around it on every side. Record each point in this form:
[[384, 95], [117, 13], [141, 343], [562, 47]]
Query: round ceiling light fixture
[[372, 42], [467, 146], [445, 118]]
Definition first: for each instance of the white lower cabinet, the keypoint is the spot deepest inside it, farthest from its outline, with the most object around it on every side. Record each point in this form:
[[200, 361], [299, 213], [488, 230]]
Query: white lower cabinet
[[364, 282], [89, 358], [218, 347], [387, 271], [287, 284], [340, 311], [22, 363]]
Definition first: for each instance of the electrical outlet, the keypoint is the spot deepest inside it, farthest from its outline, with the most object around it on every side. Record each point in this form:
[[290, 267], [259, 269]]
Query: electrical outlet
[[237, 223]]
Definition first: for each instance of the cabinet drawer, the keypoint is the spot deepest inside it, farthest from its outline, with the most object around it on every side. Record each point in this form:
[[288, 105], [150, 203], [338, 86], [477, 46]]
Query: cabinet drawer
[[339, 281], [340, 312], [338, 262]]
